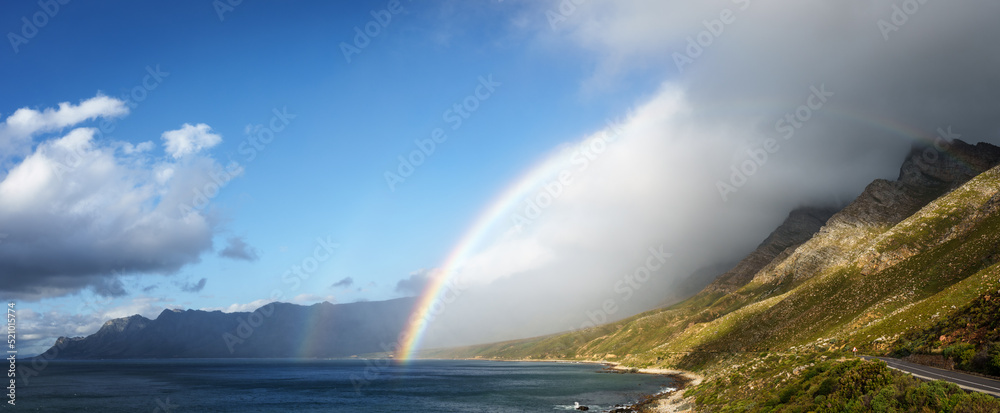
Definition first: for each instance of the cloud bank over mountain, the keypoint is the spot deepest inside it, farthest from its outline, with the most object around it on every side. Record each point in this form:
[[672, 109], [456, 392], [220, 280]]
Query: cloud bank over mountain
[[765, 106]]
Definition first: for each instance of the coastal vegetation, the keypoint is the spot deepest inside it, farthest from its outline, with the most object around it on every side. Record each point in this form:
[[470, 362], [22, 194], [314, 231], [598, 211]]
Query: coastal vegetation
[[910, 268], [829, 382]]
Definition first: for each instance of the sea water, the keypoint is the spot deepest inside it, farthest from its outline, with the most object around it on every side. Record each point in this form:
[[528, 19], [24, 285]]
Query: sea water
[[254, 385]]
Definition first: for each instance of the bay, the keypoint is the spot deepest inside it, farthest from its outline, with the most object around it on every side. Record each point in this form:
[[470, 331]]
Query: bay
[[273, 385]]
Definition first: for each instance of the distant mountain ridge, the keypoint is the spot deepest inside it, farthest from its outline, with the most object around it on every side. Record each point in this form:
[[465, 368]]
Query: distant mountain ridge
[[276, 330]]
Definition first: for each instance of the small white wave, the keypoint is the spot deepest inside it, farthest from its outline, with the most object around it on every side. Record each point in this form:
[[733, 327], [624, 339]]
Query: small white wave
[[666, 390], [573, 407]]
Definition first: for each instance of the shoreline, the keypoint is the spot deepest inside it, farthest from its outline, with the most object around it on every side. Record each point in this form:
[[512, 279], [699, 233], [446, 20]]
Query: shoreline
[[668, 402]]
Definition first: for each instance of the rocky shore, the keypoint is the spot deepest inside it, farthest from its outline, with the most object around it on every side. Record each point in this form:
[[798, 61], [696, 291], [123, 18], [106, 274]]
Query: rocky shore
[[667, 402]]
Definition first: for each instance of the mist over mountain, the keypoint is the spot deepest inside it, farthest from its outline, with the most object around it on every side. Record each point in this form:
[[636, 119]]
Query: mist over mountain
[[906, 256]]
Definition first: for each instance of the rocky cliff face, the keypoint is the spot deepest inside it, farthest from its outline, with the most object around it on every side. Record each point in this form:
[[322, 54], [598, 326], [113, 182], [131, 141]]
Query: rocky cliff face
[[799, 227], [958, 163], [935, 224], [926, 174], [274, 330]]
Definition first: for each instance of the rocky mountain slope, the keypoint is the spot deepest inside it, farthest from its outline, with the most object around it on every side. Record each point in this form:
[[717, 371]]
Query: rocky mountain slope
[[274, 330], [798, 228], [895, 259]]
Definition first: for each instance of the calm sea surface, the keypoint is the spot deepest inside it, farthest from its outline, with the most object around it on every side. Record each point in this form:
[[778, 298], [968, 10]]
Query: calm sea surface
[[326, 386]]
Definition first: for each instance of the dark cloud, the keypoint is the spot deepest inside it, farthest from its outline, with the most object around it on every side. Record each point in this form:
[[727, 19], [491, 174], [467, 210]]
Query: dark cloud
[[194, 287], [345, 282], [109, 287], [238, 249], [414, 284]]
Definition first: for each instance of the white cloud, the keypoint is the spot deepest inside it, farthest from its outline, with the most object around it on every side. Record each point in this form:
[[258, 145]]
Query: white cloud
[[189, 140], [79, 212], [310, 299], [18, 129], [130, 149], [240, 307], [46, 327]]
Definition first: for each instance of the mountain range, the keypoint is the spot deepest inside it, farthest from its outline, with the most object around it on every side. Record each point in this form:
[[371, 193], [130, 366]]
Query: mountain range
[[277, 330]]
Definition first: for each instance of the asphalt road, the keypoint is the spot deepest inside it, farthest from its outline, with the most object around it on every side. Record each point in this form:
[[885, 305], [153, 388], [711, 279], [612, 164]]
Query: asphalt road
[[965, 381]]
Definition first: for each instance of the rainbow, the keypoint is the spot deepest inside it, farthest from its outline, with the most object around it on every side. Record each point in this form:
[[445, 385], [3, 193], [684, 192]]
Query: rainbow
[[311, 332], [488, 223], [902, 130]]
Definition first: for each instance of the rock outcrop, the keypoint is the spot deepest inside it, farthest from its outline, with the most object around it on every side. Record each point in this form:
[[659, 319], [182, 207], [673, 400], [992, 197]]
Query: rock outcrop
[[926, 175], [799, 227]]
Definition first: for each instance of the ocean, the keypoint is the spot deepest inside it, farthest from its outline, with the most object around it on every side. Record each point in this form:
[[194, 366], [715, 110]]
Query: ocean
[[254, 385]]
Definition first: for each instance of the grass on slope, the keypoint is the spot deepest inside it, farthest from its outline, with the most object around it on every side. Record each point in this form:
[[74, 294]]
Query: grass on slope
[[836, 303], [826, 383], [967, 338]]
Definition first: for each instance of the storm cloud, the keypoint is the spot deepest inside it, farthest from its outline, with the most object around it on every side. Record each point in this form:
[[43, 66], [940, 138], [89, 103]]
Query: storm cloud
[[763, 107]]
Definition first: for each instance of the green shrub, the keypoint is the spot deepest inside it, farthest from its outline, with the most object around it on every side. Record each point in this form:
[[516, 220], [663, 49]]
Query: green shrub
[[962, 354], [976, 403], [827, 386], [810, 373], [927, 394], [885, 400], [837, 386], [864, 378], [994, 361], [791, 391]]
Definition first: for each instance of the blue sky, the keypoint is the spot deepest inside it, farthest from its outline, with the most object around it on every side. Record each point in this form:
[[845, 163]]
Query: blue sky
[[322, 176], [562, 70]]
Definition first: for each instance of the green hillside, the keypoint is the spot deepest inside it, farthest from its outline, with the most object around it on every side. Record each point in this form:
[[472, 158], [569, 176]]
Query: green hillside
[[945, 255], [868, 279]]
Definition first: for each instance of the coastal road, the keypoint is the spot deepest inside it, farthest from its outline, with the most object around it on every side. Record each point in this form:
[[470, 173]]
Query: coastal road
[[965, 381]]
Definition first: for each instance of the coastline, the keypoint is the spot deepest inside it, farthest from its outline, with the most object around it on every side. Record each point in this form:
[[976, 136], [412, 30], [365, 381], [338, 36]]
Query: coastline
[[669, 402]]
